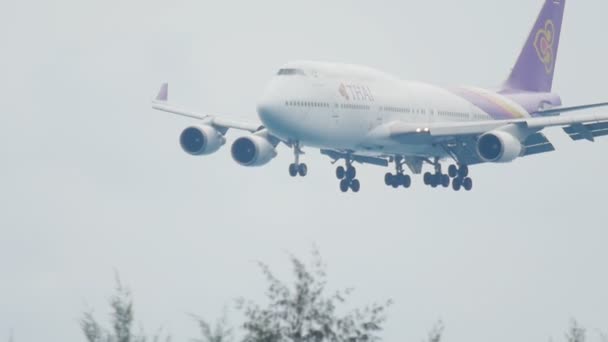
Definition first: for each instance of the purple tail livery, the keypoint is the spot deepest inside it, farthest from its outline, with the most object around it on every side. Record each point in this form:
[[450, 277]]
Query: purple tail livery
[[535, 66]]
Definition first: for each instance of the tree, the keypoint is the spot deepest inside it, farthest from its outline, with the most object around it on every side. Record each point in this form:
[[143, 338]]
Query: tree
[[576, 332], [122, 317], [220, 333], [436, 332], [303, 312]]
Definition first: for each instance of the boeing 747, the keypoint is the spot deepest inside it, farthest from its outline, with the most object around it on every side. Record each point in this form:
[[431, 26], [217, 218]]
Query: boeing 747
[[360, 115]]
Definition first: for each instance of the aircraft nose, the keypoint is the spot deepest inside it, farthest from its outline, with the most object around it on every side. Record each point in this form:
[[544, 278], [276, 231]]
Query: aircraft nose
[[268, 111]]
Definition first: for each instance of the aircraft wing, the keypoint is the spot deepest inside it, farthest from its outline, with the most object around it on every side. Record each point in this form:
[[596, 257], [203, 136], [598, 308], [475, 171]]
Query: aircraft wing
[[459, 138], [587, 121], [221, 122], [557, 111], [574, 124]]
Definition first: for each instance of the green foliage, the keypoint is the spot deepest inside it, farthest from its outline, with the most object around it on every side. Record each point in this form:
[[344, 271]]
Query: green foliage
[[304, 313], [122, 317]]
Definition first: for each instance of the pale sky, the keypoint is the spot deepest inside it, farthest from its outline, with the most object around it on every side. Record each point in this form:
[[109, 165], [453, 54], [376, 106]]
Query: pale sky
[[93, 180]]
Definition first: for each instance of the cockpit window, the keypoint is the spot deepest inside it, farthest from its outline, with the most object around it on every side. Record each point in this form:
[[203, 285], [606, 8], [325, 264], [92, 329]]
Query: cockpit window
[[287, 72]]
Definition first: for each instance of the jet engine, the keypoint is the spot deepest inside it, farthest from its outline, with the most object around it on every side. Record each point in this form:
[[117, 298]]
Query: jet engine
[[201, 140], [253, 150], [499, 147]]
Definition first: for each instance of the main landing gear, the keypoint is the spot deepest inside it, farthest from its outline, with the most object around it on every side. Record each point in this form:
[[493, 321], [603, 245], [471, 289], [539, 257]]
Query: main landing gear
[[458, 176], [438, 178], [399, 178], [347, 176], [297, 168]]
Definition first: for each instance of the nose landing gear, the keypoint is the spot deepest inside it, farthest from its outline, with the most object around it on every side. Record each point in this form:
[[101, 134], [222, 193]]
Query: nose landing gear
[[297, 168]]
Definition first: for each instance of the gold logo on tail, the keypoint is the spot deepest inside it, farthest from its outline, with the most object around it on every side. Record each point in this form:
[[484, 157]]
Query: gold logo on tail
[[544, 45]]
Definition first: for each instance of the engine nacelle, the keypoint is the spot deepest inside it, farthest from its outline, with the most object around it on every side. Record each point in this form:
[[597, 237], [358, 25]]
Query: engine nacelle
[[253, 150], [201, 140], [499, 147]]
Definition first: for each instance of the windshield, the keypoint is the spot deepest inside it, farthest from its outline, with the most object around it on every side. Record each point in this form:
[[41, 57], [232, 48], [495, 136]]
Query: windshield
[[287, 72]]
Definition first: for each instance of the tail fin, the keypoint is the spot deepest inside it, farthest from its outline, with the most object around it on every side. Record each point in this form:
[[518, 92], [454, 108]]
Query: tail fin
[[536, 64]]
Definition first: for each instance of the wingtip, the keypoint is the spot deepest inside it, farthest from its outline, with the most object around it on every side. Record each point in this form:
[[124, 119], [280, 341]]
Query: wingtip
[[163, 93]]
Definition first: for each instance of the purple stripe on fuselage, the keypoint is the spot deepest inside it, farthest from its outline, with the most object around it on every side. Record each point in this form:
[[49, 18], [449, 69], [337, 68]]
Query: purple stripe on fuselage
[[492, 108], [533, 102]]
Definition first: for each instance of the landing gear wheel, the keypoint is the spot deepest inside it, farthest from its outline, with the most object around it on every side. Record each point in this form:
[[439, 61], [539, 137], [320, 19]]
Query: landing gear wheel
[[463, 172], [293, 170], [457, 184], [302, 170], [467, 183], [397, 179], [452, 171], [351, 172], [400, 180], [340, 172], [428, 177], [388, 179], [344, 184], [355, 186], [407, 181], [445, 181], [435, 179]]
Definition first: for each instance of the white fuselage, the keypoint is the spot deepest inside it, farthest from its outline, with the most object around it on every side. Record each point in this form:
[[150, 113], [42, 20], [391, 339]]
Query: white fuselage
[[350, 108]]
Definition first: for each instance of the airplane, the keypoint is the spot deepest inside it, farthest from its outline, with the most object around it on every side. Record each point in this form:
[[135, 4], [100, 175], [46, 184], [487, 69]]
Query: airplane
[[357, 114]]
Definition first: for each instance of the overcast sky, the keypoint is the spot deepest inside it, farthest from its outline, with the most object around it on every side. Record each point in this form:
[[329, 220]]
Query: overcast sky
[[93, 180]]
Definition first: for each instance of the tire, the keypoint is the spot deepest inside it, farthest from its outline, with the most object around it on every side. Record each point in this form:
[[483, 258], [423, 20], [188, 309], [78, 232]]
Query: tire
[[396, 181], [463, 172], [445, 181], [467, 184], [344, 184], [400, 180], [355, 185], [351, 172], [452, 171], [457, 184], [427, 178], [293, 170], [340, 173], [407, 181], [302, 170], [388, 179], [435, 179]]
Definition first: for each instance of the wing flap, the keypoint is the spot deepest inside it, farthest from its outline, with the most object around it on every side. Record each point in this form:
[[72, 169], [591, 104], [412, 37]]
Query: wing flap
[[588, 132], [335, 155], [536, 144]]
